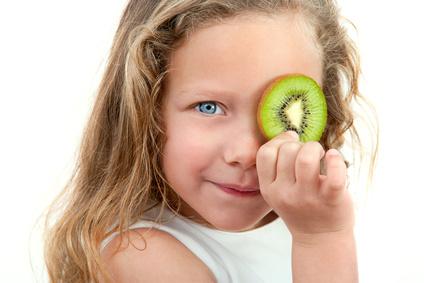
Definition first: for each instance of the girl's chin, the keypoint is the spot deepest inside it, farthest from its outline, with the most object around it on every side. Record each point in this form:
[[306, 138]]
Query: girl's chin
[[230, 221], [243, 227], [235, 225]]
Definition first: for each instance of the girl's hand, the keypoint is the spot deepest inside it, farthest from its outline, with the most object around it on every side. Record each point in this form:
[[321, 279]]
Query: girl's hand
[[314, 207]]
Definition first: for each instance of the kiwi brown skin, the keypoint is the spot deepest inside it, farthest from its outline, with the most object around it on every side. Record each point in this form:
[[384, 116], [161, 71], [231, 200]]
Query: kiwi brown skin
[[264, 97]]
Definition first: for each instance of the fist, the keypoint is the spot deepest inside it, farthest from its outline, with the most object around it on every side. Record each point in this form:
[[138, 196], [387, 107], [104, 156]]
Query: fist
[[290, 181]]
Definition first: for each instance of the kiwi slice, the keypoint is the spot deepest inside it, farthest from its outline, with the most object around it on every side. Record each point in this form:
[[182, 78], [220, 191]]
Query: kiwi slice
[[293, 103]]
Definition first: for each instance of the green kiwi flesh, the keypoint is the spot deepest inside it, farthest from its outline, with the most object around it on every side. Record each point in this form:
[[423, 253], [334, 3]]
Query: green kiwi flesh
[[295, 103]]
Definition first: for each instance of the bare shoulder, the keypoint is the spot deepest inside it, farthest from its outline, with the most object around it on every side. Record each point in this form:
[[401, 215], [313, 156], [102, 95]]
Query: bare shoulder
[[151, 255]]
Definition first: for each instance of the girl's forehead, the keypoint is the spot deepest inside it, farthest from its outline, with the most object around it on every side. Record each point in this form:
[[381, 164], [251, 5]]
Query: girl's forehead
[[296, 16], [294, 20], [244, 47]]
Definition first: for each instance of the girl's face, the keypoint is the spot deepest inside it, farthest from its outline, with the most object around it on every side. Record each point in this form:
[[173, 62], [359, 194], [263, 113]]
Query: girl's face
[[215, 83]]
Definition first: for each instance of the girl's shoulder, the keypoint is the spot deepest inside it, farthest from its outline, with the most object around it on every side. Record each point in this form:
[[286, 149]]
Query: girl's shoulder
[[152, 255]]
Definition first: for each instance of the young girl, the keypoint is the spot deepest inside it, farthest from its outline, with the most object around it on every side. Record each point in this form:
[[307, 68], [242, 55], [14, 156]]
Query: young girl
[[174, 181]]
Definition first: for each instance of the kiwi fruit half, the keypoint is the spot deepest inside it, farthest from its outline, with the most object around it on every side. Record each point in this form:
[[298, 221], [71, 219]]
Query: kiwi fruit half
[[296, 103]]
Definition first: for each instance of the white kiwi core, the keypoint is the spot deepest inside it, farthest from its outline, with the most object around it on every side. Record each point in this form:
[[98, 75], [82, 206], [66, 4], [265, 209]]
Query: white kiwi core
[[295, 114]]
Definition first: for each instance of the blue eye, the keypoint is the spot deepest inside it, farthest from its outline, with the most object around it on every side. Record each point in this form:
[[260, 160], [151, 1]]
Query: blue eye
[[209, 108]]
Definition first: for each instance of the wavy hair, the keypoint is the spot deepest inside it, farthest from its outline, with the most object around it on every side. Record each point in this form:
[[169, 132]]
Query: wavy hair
[[118, 174]]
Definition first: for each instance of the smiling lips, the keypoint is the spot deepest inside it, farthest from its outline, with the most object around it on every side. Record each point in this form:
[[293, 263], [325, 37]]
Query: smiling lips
[[238, 191]]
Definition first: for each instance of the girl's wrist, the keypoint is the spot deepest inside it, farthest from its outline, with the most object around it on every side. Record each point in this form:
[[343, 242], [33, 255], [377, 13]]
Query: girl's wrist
[[324, 239]]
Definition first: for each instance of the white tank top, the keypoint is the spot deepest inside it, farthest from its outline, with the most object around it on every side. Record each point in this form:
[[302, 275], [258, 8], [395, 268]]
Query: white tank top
[[259, 255]]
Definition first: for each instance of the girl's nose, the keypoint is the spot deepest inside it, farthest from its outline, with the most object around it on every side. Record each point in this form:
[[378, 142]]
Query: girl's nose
[[243, 145]]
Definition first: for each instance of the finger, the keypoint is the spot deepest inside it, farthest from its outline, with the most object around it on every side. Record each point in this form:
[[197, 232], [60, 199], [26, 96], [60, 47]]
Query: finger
[[267, 156], [336, 173], [286, 162], [308, 164]]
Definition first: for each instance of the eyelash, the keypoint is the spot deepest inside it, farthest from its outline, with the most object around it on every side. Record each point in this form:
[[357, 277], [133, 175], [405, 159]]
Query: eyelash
[[214, 108]]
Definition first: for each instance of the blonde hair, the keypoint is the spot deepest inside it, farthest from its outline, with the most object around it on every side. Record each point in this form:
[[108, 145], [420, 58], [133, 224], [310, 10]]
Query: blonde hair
[[118, 173]]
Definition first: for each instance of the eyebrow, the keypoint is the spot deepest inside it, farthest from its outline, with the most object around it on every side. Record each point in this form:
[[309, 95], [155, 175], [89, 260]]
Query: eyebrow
[[206, 92]]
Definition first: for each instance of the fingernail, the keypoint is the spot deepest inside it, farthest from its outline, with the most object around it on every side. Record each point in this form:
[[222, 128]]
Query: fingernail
[[293, 134], [333, 152]]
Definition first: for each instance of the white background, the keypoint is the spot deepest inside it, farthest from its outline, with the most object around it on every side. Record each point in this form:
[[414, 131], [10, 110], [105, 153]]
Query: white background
[[51, 57]]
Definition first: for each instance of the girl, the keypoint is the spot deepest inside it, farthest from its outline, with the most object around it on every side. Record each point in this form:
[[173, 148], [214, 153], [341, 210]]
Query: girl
[[174, 180]]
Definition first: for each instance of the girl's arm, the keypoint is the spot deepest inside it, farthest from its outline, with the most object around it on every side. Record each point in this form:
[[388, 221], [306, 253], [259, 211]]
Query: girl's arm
[[325, 258], [150, 255], [317, 209]]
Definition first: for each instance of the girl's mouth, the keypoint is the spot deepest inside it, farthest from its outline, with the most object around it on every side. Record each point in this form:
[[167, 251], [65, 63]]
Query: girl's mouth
[[238, 191]]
